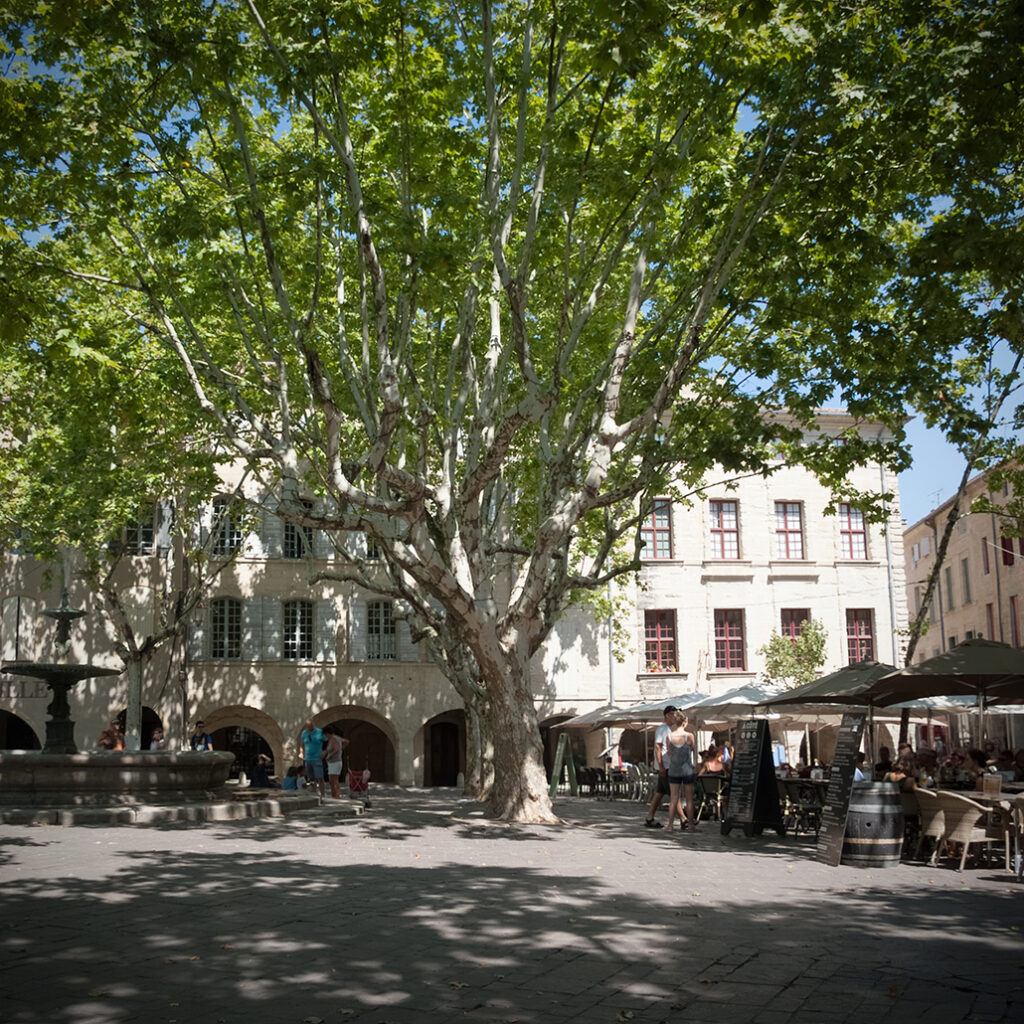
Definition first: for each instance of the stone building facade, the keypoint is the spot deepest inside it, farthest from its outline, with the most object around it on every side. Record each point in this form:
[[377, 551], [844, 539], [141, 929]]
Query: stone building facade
[[265, 651], [980, 590]]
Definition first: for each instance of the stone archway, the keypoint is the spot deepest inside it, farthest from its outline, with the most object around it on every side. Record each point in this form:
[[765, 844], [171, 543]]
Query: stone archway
[[16, 733], [248, 732], [150, 721], [372, 740], [444, 748]]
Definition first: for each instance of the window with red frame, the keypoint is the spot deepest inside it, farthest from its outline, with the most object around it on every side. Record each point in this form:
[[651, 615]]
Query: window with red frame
[[725, 529], [985, 568], [860, 634], [1015, 622], [853, 537], [793, 620], [789, 529], [1007, 545], [990, 621], [660, 641], [656, 531], [730, 649]]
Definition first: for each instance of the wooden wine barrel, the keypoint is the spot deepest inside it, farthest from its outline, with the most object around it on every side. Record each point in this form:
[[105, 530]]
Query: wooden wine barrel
[[874, 826]]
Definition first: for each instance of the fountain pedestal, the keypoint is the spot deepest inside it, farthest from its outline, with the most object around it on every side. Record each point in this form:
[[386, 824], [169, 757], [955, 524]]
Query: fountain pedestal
[[60, 729]]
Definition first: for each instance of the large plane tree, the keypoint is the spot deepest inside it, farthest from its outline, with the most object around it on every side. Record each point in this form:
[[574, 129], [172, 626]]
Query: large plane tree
[[488, 278]]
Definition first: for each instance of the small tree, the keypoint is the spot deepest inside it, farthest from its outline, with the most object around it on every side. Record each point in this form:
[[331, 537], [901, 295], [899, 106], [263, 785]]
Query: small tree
[[792, 661]]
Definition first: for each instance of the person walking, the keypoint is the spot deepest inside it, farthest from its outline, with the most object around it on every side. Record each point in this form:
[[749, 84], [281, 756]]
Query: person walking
[[661, 788], [312, 755], [681, 774], [336, 744]]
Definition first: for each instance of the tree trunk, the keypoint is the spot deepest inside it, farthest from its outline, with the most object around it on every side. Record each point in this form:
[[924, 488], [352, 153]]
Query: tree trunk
[[479, 752], [520, 791], [133, 715]]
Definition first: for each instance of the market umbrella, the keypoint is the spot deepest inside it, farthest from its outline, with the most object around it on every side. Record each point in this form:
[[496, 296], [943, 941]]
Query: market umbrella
[[847, 686], [736, 703], [652, 711], [991, 671], [852, 686], [590, 718]]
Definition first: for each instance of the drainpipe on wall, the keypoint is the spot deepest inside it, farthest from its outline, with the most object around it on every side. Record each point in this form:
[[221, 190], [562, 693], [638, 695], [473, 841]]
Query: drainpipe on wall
[[888, 567], [997, 557]]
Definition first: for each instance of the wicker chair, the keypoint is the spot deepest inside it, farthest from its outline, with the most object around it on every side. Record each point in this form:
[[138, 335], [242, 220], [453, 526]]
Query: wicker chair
[[965, 823], [932, 821]]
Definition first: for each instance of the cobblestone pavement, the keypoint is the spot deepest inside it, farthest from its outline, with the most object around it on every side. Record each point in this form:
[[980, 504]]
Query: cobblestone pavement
[[424, 911]]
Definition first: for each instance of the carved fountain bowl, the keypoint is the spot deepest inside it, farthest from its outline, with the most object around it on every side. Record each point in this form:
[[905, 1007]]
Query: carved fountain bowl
[[106, 778], [101, 778], [57, 672]]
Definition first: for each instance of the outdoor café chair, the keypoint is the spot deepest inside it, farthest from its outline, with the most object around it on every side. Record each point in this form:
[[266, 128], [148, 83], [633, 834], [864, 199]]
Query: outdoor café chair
[[806, 806], [714, 788], [932, 821], [965, 823]]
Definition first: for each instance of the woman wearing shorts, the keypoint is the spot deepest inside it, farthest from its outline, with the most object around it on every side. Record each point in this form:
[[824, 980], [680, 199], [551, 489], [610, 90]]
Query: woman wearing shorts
[[681, 774]]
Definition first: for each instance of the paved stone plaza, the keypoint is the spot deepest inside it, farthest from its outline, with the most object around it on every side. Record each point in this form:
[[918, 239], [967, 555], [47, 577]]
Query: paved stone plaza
[[421, 910]]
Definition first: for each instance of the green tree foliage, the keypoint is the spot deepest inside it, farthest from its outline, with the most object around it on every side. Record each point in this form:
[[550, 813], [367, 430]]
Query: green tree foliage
[[490, 279], [790, 661]]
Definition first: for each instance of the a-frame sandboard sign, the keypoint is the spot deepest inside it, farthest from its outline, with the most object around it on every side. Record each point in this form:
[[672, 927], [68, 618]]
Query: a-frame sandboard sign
[[563, 756], [753, 792]]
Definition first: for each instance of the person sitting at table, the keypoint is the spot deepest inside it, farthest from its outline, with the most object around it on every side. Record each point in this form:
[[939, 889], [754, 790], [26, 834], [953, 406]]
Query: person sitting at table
[[1018, 765], [976, 763], [711, 762], [859, 775], [1004, 761], [903, 772], [884, 762]]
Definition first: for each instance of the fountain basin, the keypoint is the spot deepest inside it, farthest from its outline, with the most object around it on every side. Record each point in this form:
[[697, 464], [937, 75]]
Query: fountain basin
[[109, 778]]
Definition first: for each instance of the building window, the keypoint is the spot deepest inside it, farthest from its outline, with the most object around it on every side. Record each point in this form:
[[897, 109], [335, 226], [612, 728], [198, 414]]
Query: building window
[[660, 641], [1007, 545], [985, 567], [947, 574], [789, 529], [794, 620], [730, 649], [656, 531], [853, 538], [227, 528], [298, 630], [1015, 622], [860, 635], [990, 621], [965, 575], [298, 540], [226, 628], [140, 536], [380, 631], [725, 529]]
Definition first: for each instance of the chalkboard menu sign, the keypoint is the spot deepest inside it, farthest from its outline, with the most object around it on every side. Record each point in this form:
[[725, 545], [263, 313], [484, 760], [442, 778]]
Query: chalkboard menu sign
[[840, 786], [753, 794]]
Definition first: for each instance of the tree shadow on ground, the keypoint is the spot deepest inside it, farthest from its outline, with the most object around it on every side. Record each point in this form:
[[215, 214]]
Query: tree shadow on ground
[[231, 929]]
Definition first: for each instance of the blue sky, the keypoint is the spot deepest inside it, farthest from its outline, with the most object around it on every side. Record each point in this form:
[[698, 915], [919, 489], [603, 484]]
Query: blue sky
[[934, 475]]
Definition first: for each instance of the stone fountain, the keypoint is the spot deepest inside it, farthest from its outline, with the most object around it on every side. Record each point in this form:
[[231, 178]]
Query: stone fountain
[[60, 677], [60, 777]]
